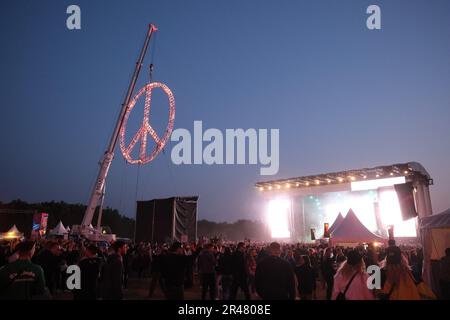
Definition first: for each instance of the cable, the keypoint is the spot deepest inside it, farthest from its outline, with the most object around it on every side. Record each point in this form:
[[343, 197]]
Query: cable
[[171, 174]]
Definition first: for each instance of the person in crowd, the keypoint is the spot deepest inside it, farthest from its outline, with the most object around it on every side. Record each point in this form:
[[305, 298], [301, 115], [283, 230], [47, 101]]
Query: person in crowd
[[397, 281], [306, 277], [315, 264], [274, 277], [50, 260], [189, 278], [239, 271], [328, 271], [111, 284], [444, 277], [251, 269], [174, 266], [371, 257], [350, 281], [22, 279], [207, 270], [340, 258], [415, 265], [226, 272], [289, 257], [90, 270], [13, 254], [126, 261], [156, 272]]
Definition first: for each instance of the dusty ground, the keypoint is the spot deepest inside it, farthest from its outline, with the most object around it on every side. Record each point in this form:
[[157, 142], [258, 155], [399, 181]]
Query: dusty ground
[[137, 289]]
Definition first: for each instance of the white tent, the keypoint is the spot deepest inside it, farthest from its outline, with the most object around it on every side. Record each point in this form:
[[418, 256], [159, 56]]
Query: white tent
[[437, 226], [59, 230], [435, 230], [12, 233]]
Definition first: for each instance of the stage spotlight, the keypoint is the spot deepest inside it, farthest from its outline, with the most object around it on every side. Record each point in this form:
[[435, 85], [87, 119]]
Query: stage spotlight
[[278, 218], [375, 184]]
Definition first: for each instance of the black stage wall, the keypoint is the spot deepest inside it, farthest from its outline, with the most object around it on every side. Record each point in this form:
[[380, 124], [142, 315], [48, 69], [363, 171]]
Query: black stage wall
[[166, 220]]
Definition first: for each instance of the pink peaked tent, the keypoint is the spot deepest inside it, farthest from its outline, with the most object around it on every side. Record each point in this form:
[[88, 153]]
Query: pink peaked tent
[[336, 223], [351, 230]]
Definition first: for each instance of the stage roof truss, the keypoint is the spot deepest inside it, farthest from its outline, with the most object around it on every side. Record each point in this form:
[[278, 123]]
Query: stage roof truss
[[412, 171]]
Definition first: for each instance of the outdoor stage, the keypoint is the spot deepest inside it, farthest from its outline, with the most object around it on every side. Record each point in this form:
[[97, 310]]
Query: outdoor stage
[[381, 197]]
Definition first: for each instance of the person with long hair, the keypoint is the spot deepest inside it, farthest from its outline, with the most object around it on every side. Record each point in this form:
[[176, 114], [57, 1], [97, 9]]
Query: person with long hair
[[397, 281], [350, 281], [305, 277], [328, 267]]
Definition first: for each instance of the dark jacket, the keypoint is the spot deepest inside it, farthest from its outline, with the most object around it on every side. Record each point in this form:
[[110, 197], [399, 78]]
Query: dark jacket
[[50, 263], [328, 268], [238, 267], [225, 264], [21, 280], [90, 269], [274, 279], [306, 279], [173, 269], [206, 262], [112, 278]]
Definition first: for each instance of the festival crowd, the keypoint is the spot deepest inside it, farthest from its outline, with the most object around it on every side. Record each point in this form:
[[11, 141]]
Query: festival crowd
[[37, 270]]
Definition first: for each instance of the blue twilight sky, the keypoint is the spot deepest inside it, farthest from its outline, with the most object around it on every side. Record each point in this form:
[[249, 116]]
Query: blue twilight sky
[[342, 96]]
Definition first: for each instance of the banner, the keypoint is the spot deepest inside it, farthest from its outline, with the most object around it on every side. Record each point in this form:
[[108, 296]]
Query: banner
[[39, 228], [326, 232]]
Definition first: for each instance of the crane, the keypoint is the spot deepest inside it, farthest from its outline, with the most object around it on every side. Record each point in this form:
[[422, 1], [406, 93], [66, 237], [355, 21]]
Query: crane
[[98, 190]]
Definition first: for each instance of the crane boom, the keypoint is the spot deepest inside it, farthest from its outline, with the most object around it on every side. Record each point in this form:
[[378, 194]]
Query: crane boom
[[108, 156]]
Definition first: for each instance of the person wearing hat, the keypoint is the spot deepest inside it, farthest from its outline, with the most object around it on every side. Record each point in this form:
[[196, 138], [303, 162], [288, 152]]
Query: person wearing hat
[[350, 281], [22, 279], [397, 281]]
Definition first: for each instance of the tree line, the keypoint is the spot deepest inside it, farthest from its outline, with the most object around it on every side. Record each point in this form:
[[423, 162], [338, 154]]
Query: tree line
[[122, 226]]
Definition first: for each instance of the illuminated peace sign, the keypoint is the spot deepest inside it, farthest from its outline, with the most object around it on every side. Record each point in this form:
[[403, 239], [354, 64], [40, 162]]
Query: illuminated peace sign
[[146, 128]]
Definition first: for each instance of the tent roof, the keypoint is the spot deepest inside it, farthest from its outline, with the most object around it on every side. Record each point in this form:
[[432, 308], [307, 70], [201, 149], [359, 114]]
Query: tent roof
[[12, 233], [352, 230], [441, 220], [336, 223], [59, 229], [13, 230]]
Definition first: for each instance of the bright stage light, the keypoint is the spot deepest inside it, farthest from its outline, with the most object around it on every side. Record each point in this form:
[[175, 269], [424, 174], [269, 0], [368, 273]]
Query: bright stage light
[[375, 184], [278, 218], [391, 215]]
